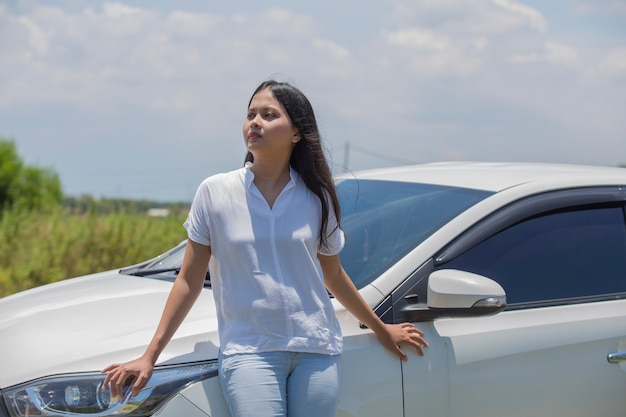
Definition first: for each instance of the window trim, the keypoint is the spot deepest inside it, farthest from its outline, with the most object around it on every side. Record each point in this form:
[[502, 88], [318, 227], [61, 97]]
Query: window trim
[[566, 301], [532, 206], [525, 208]]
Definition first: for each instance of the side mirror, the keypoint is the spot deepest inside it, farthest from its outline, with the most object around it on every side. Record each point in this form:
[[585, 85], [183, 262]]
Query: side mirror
[[454, 293], [450, 293]]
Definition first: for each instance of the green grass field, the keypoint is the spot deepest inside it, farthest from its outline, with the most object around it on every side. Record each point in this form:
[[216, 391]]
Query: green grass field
[[37, 248]]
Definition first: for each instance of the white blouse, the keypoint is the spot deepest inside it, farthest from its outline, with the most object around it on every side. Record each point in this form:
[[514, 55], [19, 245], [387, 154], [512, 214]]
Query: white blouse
[[266, 278]]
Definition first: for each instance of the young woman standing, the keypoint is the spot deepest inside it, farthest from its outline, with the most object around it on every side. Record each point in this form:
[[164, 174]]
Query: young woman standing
[[271, 236]]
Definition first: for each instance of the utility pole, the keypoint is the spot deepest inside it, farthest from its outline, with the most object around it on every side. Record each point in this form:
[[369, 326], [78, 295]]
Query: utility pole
[[346, 157]]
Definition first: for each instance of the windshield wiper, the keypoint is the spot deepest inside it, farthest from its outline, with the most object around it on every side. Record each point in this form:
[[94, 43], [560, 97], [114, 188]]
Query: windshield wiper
[[147, 272], [176, 270]]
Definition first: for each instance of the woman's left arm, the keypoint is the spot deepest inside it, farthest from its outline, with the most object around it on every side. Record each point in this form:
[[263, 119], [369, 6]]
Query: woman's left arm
[[392, 336]]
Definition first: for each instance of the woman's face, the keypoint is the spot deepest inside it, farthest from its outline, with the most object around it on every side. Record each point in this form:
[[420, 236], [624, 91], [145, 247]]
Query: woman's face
[[267, 128]]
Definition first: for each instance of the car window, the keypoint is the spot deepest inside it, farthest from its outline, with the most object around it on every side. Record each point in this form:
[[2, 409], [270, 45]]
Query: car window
[[384, 220], [562, 255]]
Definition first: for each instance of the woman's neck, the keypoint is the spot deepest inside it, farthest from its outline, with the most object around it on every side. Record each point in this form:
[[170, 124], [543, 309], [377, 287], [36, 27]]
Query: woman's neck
[[270, 180], [270, 173]]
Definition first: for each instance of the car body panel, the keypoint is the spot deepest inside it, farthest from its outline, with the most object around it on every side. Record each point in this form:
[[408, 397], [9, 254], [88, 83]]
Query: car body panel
[[181, 405], [102, 319], [363, 356], [492, 176], [559, 363], [206, 396]]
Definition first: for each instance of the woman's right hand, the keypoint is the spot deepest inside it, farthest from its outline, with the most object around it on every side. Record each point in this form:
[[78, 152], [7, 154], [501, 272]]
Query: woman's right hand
[[184, 292], [138, 370]]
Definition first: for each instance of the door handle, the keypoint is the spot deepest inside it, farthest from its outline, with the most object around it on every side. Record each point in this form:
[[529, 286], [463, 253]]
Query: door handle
[[616, 357]]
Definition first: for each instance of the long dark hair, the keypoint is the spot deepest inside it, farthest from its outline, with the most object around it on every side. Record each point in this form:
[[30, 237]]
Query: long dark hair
[[307, 157]]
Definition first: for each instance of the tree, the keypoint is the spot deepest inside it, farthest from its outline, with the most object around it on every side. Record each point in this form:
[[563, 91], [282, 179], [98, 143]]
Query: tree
[[10, 168], [23, 186]]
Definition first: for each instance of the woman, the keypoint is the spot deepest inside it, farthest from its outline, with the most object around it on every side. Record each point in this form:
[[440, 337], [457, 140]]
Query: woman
[[270, 234]]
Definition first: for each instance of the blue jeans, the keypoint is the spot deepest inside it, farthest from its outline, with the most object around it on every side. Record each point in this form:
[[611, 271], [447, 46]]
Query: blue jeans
[[273, 384]]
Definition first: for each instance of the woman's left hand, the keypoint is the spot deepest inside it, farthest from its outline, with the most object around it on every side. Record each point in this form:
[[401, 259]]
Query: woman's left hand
[[392, 336], [405, 334]]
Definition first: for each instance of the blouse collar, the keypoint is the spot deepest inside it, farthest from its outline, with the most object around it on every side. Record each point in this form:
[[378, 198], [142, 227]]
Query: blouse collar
[[249, 176]]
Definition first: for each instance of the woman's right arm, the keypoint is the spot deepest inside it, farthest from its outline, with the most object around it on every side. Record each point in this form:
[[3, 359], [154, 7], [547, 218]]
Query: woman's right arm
[[183, 294]]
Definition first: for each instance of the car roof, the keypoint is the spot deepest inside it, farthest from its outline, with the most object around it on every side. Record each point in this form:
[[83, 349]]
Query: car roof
[[492, 176]]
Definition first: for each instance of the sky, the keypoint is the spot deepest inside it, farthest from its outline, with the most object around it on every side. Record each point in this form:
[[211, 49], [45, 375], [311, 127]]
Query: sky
[[144, 99]]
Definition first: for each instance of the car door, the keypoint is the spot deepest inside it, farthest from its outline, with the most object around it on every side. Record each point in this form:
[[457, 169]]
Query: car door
[[555, 350]]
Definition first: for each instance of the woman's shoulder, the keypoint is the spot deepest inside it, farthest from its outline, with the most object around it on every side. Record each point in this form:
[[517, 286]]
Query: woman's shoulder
[[223, 178]]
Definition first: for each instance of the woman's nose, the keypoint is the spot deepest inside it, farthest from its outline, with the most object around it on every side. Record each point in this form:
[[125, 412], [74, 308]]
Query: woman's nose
[[254, 122]]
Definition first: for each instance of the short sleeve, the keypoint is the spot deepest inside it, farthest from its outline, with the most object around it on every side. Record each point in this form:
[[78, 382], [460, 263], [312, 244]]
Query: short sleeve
[[335, 239], [197, 223]]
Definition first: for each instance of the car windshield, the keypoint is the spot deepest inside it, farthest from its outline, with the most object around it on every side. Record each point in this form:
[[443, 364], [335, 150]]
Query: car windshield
[[171, 260], [382, 222]]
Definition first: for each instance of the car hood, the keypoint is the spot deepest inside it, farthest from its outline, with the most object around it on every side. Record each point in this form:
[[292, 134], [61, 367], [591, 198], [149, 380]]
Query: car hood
[[87, 323]]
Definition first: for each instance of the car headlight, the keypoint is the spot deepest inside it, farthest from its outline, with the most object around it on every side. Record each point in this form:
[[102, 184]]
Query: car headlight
[[82, 393]]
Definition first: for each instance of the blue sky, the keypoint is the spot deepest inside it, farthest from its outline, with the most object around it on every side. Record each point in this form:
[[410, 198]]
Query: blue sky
[[144, 99]]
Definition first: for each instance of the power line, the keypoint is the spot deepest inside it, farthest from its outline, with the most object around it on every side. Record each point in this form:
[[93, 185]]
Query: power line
[[376, 154]]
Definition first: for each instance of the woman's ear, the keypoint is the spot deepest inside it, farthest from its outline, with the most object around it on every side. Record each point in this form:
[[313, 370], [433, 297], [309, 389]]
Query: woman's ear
[[296, 136]]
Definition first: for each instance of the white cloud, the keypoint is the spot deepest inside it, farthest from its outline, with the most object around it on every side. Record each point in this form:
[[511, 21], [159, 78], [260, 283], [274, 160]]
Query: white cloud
[[339, 64], [119, 10], [419, 39], [461, 37], [94, 50], [614, 64], [434, 79], [480, 43], [524, 58], [478, 17], [433, 54], [120, 20], [526, 14], [561, 54], [553, 52], [37, 40], [610, 7], [191, 25], [336, 51], [277, 22]]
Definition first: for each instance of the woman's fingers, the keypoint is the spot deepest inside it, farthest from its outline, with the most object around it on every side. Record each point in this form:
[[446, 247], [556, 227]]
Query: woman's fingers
[[108, 373], [407, 334], [139, 383], [115, 379], [133, 376], [416, 336]]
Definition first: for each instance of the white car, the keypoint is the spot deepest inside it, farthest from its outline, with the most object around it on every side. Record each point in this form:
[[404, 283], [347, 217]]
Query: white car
[[515, 272]]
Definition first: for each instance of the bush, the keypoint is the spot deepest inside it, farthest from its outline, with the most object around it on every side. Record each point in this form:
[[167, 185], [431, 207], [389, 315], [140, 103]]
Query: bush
[[23, 186], [40, 247]]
